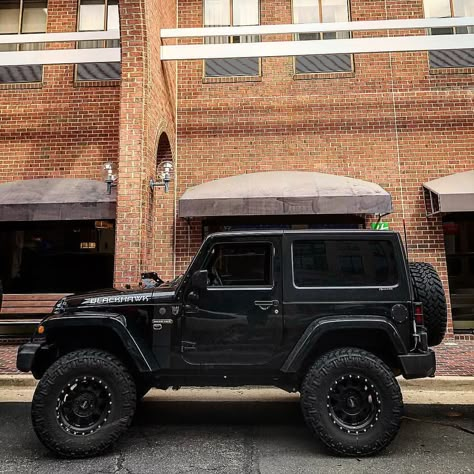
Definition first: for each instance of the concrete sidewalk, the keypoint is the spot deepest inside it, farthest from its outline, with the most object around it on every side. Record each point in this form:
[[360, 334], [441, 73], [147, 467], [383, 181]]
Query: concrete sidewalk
[[437, 391]]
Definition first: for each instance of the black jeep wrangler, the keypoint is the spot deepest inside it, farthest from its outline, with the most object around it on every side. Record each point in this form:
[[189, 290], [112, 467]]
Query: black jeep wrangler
[[334, 315]]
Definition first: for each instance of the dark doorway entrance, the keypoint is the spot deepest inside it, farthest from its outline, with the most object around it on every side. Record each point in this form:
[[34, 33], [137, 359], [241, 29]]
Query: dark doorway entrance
[[56, 257], [459, 243]]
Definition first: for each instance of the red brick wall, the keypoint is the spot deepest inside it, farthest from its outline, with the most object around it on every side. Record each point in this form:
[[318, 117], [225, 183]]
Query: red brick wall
[[57, 129], [62, 129], [391, 122]]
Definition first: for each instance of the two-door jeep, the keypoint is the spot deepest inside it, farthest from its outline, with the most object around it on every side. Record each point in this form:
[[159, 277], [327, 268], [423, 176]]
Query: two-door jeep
[[334, 315]]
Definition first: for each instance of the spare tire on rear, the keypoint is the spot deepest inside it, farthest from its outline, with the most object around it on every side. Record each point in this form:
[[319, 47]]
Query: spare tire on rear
[[429, 291]]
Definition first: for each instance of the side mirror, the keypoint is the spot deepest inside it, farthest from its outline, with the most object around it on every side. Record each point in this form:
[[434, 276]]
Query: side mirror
[[199, 280]]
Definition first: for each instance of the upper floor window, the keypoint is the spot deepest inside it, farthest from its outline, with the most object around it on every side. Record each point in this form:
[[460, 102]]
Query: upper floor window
[[232, 13], [98, 15], [322, 11], [446, 9], [22, 16]]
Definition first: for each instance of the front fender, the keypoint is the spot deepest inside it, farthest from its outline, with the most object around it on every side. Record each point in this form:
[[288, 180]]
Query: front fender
[[140, 354], [324, 326]]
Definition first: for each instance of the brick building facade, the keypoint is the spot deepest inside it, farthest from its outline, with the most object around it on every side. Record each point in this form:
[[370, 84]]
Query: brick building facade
[[389, 118]]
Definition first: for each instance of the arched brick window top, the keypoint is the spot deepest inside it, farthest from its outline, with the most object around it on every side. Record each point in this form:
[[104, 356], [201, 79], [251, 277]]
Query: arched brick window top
[[164, 152]]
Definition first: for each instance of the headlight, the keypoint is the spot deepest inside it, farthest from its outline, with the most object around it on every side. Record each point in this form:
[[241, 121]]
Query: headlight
[[60, 306]]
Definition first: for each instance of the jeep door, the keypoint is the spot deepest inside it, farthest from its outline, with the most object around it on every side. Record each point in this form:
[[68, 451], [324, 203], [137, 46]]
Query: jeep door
[[237, 318]]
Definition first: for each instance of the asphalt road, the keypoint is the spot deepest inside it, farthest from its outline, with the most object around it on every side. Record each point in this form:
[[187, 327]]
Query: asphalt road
[[181, 436]]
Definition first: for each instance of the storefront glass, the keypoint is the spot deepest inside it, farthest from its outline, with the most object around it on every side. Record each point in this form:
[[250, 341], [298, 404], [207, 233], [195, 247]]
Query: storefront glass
[[56, 257], [459, 242]]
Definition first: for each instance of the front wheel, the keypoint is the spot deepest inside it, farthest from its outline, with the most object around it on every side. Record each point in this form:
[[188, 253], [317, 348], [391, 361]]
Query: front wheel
[[83, 403], [352, 402]]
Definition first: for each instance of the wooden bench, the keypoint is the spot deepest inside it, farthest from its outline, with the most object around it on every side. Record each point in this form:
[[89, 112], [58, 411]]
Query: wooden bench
[[15, 305], [21, 313]]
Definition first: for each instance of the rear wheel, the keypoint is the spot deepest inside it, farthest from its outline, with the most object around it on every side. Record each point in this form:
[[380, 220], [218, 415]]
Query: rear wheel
[[84, 402], [429, 291], [352, 402]]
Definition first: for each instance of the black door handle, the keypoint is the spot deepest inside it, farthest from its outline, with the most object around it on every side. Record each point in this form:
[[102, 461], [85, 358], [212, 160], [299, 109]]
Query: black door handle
[[264, 305]]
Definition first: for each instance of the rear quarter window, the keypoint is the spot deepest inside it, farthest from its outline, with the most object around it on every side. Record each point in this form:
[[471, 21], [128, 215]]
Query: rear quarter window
[[344, 263]]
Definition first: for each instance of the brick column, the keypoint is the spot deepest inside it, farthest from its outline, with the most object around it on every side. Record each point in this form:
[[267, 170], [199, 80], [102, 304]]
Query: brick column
[[146, 106]]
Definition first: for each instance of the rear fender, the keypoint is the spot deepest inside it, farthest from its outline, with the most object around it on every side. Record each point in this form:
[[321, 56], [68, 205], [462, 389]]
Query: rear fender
[[324, 327]]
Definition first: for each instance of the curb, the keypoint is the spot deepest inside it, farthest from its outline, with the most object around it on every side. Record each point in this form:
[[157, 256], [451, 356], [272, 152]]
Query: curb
[[17, 381], [442, 383], [445, 383]]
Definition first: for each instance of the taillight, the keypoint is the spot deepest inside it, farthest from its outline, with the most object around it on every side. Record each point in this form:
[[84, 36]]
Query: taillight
[[419, 314]]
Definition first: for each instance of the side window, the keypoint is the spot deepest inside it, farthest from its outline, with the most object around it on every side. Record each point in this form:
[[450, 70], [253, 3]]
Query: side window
[[341, 263], [247, 264]]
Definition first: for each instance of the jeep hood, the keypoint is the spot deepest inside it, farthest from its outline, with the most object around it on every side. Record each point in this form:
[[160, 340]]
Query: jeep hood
[[114, 297]]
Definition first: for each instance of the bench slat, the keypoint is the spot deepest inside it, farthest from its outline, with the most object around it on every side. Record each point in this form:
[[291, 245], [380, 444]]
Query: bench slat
[[28, 304], [19, 322], [34, 297], [44, 310], [34, 303]]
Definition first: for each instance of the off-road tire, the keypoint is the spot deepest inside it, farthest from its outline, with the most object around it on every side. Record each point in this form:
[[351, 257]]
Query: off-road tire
[[81, 363], [315, 390], [429, 291]]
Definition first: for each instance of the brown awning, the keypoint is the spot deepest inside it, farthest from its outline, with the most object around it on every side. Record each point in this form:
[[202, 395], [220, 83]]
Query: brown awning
[[284, 193], [453, 193], [55, 199]]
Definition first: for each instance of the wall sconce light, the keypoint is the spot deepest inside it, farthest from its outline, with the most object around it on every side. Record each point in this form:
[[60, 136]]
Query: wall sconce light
[[165, 175], [110, 177]]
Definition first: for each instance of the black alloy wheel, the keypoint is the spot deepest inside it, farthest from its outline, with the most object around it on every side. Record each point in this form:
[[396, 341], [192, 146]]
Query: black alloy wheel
[[84, 405], [353, 404]]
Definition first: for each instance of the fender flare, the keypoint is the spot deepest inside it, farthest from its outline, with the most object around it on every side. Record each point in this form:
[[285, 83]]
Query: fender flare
[[324, 326], [140, 354]]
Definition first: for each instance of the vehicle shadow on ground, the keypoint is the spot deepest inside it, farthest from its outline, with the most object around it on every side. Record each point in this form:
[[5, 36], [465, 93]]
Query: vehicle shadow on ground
[[218, 412], [152, 412], [212, 435]]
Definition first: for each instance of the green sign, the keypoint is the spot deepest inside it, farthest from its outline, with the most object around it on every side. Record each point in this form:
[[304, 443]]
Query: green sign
[[379, 225]]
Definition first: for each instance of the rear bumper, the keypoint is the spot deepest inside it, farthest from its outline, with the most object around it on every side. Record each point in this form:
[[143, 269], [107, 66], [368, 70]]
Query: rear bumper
[[417, 365], [26, 356]]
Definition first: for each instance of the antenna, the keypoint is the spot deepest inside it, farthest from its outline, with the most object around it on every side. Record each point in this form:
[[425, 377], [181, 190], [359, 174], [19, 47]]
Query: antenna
[[405, 237]]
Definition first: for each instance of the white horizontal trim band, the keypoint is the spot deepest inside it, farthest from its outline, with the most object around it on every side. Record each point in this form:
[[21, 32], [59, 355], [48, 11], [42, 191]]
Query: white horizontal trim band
[[316, 27], [59, 37], [60, 56], [302, 48]]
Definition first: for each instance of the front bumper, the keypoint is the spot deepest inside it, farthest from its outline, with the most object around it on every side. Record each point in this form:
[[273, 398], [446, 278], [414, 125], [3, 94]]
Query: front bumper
[[417, 365], [26, 355]]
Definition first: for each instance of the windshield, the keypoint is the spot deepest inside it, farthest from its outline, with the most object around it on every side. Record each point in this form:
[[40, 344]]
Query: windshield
[[174, 281]]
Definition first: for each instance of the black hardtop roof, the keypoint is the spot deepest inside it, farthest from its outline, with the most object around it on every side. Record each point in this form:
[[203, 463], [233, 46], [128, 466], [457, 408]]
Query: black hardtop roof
[[243, 233]]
